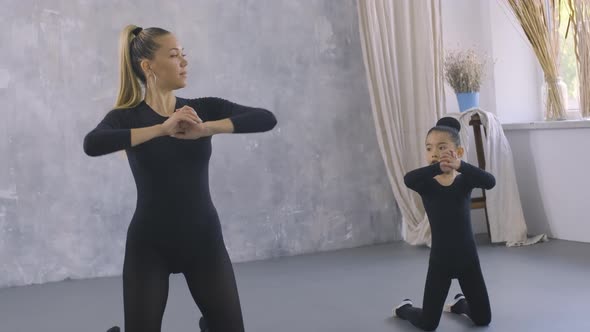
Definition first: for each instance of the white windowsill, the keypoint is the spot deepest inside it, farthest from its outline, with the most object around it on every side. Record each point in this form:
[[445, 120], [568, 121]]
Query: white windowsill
[[565, 124]]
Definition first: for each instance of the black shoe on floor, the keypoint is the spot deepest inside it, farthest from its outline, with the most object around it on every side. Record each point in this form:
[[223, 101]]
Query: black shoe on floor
[[401, 305], [114, 329], [450, 307]]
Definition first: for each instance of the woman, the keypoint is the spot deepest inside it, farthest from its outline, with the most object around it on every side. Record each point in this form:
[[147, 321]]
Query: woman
[[175, 227]]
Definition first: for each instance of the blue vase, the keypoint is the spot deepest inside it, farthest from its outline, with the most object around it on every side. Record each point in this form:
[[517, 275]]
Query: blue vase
[[467, 100]]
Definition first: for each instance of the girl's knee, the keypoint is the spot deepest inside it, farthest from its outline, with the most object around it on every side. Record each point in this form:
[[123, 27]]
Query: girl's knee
[[430, 326], [483, 321]]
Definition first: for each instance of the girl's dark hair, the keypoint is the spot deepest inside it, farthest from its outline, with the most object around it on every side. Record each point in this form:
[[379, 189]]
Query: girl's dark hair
[[135, 44], [450, 126]]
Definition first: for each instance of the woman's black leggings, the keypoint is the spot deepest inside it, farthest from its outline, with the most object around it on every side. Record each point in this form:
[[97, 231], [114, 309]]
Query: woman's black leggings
[[209, 275], [438, 282]]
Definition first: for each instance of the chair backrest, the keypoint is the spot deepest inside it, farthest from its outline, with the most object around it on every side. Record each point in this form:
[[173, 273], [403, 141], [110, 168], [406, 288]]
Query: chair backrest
[[475, 122]]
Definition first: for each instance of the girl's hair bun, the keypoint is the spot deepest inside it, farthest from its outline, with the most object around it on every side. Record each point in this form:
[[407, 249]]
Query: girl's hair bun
[[449, 122]]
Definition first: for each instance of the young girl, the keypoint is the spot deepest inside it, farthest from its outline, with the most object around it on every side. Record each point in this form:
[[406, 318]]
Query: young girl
[[446, 196]]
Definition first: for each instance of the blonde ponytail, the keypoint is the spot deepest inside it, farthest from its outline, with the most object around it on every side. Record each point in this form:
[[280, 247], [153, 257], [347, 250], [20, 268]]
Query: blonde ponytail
[[130, 93]]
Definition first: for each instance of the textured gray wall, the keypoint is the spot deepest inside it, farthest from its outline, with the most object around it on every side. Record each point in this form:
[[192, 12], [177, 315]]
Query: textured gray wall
[[317, 182]]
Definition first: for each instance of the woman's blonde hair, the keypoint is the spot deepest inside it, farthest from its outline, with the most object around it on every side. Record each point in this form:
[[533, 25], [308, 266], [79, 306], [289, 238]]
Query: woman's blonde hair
[[135, 44]]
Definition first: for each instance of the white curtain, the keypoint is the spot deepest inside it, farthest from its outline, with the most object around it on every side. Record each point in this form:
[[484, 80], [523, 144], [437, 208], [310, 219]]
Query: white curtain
[[402, 50]]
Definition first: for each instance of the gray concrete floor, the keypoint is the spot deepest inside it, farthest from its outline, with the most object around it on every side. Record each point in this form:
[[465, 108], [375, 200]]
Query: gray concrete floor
[[539, 288]]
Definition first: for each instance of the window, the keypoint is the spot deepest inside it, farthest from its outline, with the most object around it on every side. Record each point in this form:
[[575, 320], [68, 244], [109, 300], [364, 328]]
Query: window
[[568, 64]]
